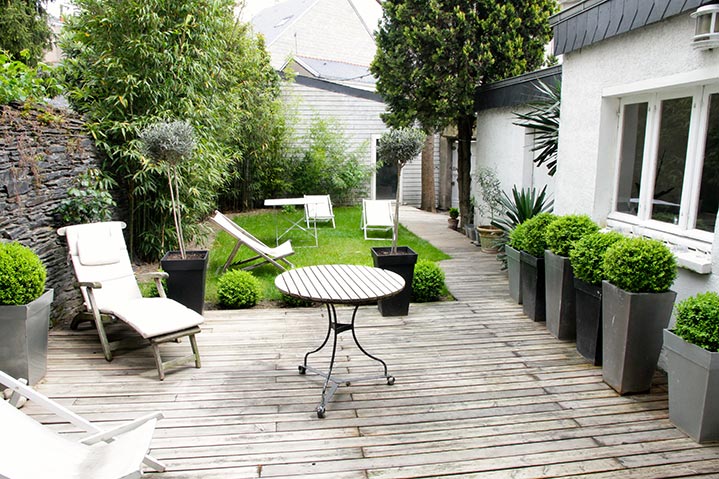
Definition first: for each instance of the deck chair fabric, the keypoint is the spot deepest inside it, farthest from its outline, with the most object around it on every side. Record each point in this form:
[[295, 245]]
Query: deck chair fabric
[[33, 451], [318, 208], [274, 256], [103, 270], [377, 215]]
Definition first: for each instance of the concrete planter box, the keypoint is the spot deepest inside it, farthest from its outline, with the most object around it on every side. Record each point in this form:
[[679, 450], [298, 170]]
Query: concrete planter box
[[589, 320], [560, 296], [23, 338], [632, 336], [533, 297], [693, 388], [513, 271]]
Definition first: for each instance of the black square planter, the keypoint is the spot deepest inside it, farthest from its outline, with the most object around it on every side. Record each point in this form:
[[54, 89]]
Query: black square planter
[[401, 263], [589, 320], [532, 278], [186, 281]]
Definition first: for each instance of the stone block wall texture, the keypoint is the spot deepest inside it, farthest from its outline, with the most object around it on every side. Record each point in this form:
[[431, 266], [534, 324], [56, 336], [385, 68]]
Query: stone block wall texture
[[42, 150]]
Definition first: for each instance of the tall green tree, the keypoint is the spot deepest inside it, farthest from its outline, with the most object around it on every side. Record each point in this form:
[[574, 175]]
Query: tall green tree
[[432, 55], [24, 26], [131, 63]]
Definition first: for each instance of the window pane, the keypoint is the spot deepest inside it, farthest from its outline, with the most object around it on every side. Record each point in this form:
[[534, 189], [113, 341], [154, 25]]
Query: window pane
[[671, 158], [631, 156], [709, 194]]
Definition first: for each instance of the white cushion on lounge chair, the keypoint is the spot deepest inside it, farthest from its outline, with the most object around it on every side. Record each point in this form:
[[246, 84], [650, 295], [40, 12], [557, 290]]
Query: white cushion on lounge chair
[[93, 250], [153, 316]]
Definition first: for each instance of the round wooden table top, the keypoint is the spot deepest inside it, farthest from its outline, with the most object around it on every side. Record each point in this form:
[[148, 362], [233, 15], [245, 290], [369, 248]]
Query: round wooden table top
[[339, 283]]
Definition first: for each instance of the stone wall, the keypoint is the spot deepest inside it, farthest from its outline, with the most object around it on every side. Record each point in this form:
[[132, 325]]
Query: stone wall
[[42, 149]]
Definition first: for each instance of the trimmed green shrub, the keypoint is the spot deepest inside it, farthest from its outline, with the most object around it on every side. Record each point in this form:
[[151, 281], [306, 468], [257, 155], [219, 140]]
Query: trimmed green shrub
[[238, 289], [587, 256], [640, 265], [454, 213], [698, 320], [22, 274], [428, 282], [292, 302], [530, 238], [88, 201], [563, 232]]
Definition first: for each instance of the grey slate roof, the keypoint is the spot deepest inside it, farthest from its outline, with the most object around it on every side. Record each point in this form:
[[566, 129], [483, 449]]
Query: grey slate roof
[[333, 70], [518, 90], [592, 21], [272, 21]]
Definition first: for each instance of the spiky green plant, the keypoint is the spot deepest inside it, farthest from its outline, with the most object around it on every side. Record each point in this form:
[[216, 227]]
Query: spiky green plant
[[543, 120]]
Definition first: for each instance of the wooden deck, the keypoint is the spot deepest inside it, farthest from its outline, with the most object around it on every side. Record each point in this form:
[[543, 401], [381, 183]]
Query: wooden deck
[[481, 392]]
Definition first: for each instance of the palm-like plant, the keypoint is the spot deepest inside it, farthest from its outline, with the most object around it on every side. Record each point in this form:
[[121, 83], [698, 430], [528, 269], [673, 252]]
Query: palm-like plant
[[523, 204], [543, 120]]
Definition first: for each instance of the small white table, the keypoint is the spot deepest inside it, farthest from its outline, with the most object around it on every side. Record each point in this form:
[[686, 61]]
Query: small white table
[[339, 284], [294, 224]]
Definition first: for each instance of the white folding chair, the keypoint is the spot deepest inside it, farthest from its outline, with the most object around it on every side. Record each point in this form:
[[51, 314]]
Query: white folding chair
[[31, 450], [265, 254], [318, 208], [377, 215], [104, 273]]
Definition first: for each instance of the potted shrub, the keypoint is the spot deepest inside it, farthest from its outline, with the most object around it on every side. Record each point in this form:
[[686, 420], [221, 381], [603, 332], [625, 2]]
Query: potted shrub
[[168, 145], [532, 245], [24, 313], [398, 147], [489, 208], [453, 220], [636, 306], [587, 259], [561, 236], [693, 367], [523, 204]]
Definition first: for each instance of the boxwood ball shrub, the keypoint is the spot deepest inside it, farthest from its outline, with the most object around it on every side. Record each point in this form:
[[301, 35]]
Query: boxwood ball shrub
[[22, 275], [238, 289], [562, 233], [532, 234], [640, 265], [587, 256], [698, 320], [428, 282]]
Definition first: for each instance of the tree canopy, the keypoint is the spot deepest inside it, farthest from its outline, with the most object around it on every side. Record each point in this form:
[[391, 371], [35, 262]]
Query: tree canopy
[[432, 55], [24, 26]]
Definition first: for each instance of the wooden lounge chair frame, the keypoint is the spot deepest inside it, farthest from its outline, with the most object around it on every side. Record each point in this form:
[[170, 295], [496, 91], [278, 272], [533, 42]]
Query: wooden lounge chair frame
[[375, 219], [274, 256]]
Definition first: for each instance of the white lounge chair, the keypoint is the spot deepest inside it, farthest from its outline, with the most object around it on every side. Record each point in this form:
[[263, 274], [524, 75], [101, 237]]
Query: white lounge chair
[[318, 208], [31, 450], [265, 254], [377, 215], [104, 273]]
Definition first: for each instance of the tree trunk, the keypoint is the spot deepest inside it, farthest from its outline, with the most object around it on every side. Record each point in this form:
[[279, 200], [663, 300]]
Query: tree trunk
[[429, 201], [464, 165]]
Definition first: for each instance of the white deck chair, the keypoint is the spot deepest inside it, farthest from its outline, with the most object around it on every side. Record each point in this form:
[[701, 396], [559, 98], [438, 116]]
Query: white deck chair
[[104, 273], [265, 254], [32, 450], [377, 215], [318, 208]]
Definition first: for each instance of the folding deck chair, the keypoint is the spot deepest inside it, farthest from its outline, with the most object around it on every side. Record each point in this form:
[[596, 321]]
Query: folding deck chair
[[31, 450], [265, 254], [104, 273], [318, 208], [377, 215]]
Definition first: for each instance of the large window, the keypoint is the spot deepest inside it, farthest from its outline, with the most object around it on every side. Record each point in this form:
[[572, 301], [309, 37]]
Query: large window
[[668, 173]]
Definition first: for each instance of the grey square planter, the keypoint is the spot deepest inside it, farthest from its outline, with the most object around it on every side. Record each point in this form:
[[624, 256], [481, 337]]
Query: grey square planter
[[513, 271], [632, 336], [693, 388], [23, 338], [589, 320], [560, 296], [533, 298]]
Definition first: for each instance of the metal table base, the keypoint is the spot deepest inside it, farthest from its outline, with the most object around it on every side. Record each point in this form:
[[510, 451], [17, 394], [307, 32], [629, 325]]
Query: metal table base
[[332, 383]]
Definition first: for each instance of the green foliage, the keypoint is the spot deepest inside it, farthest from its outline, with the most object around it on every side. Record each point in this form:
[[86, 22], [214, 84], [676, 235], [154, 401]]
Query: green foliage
[[292, 302], [328, 166], [529, 236], [521, 206], [587, 256], [640, 265], [19, 82], [399, 146], [129, 64], [563, 232], [88, 200], [491, 189], [698, 320], [22, 274], [543, 121], [427, 282], [25, 29], [238, 289], [454, 213]]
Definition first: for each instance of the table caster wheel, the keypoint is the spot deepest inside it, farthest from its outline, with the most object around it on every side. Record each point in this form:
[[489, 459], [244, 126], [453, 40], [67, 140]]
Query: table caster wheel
[[302, 369], [390, 380], [320, 412], [348, 383]]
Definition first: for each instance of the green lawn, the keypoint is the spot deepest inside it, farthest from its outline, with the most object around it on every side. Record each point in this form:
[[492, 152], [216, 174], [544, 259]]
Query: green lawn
[[343, 245]]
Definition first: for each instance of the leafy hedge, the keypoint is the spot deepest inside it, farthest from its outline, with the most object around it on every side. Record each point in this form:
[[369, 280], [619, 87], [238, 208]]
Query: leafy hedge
[[698, 320], [563, 232], [587, 256], [22, 274], [428, 282], [238, 289], [530, 235], [640, 265]]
